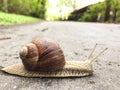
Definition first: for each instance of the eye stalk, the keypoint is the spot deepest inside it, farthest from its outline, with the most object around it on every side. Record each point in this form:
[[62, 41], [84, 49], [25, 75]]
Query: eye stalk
[[91, 59]]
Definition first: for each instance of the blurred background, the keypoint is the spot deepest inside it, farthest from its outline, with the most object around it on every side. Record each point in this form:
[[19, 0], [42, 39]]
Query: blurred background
[[24, 11]]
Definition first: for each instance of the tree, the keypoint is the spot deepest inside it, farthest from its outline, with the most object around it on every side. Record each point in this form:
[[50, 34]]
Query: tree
[[111, 6], [34, 8], [107, 10], [116, 7]]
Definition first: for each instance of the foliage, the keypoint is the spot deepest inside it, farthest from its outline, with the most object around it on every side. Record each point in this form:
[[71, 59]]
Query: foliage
[[118, 16], [108, 11], [34, 8], [58, 9], [92, 12], [10, 19]]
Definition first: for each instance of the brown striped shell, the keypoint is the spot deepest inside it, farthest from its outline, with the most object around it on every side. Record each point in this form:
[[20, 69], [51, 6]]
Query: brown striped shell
[[42, 54]]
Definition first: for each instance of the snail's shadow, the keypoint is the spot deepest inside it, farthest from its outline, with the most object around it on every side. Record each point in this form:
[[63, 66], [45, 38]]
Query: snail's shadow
[[44, 81]]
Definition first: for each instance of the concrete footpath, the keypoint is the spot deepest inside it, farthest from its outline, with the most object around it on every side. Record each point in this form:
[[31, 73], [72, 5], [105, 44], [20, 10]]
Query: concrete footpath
[[76, 39]]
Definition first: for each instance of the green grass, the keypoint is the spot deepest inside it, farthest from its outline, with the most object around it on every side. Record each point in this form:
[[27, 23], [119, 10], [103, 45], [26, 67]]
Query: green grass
[[11, 19]]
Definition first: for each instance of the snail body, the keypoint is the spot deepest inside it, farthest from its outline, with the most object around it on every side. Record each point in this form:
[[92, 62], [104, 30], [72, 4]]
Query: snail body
[[43, 57]]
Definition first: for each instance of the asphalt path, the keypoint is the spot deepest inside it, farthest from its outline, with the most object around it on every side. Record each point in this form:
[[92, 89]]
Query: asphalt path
[[76, 40]]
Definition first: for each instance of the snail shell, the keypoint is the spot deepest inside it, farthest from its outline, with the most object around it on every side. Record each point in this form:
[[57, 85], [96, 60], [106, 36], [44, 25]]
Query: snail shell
[[43, 57], [42, 54]]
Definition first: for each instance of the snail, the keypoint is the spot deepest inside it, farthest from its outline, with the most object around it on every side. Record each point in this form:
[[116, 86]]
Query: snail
[[43, 57]]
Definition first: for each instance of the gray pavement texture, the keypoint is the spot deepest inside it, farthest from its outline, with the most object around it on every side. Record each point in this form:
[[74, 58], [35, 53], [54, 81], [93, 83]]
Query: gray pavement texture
[[76, 39]]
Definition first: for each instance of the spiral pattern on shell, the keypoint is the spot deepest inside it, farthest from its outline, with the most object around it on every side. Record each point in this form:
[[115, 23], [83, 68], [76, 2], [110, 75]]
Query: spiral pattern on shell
[[42, 54]]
